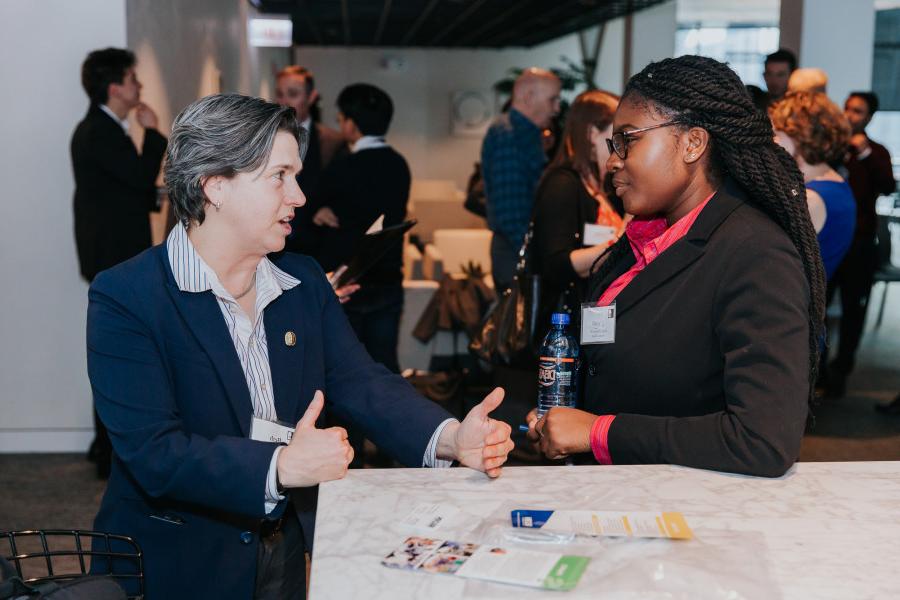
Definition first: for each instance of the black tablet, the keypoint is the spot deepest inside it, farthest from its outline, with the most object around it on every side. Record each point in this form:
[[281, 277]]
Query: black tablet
[[370, 249]]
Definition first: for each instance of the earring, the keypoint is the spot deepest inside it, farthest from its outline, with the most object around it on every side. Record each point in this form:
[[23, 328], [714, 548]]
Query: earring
[[218, 205]]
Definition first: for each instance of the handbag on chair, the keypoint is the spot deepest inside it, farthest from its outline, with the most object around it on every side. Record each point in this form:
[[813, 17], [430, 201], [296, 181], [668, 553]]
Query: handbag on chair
[[506, 335]]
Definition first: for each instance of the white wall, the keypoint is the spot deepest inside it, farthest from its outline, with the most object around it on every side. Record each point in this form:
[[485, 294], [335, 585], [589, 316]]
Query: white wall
[[422, 91], [653, 36], [848, 63], [45, 401], [844, 51], [187, 50]]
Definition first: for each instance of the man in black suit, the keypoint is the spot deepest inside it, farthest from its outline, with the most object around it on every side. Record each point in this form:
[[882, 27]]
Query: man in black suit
[[115, 187], [295, 87]]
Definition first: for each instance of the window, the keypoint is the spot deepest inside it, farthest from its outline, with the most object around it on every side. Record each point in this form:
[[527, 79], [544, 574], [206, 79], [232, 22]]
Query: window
[[743, 47], [885, 126]]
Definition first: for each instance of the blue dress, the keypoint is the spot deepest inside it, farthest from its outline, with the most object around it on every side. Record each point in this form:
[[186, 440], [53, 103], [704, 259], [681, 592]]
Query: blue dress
[[840, 221]]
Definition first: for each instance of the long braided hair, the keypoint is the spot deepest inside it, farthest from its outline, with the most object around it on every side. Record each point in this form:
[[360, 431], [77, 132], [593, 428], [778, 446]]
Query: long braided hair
[[696, 91]]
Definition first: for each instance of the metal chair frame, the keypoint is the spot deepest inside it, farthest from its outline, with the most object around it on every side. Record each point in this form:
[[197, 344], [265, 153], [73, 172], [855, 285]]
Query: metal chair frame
[[80, 551]]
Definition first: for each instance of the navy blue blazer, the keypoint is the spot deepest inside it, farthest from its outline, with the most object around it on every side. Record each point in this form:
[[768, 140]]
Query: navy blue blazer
[[187, 482]]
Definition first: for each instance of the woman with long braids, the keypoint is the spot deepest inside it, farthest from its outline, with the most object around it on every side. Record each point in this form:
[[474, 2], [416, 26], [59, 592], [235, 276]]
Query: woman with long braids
[[718, 288]]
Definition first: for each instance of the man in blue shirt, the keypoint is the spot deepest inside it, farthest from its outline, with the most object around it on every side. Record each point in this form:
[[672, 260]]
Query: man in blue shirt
[[513, 159]]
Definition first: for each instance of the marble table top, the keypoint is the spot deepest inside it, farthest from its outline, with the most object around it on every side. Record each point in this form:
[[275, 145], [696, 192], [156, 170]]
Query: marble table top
[[824, 530]]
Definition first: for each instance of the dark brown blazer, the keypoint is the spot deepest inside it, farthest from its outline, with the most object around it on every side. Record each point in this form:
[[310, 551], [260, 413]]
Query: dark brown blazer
[[709, 367]]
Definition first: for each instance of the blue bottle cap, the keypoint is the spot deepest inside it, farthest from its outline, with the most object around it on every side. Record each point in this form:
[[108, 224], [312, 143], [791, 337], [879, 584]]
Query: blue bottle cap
[[560, 319]]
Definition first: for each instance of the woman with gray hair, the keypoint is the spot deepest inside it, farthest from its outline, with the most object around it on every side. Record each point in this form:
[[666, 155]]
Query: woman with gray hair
[[202, 354]]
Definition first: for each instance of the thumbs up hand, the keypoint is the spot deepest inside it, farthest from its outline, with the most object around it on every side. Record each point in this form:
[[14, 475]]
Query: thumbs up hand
[[479, 442], [314, 455]]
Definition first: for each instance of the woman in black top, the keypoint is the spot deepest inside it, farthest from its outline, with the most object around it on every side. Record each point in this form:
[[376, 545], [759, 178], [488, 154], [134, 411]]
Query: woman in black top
[[718, 286], [576, 215]]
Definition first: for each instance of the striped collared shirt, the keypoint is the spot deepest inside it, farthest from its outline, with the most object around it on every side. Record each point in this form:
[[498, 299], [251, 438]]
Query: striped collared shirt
[[192, 274]]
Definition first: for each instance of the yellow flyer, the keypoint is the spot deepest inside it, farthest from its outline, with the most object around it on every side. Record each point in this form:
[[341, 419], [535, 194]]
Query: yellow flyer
[[638, 524]]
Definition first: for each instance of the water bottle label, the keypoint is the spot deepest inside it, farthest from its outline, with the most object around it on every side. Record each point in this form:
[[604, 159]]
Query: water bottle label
[[552, 370]]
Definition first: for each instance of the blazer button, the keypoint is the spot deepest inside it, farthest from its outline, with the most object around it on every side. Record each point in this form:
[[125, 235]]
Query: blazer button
[[246, 537], [592, 370]]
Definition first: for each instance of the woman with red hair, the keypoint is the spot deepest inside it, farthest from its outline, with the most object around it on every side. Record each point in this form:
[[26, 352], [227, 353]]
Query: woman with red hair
[[815, 133]]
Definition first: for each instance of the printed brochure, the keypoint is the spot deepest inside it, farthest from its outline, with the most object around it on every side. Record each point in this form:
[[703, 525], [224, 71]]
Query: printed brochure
[[483, 561]]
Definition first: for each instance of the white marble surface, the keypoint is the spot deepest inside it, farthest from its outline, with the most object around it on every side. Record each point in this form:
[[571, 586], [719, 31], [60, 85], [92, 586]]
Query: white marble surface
[[824, 530]]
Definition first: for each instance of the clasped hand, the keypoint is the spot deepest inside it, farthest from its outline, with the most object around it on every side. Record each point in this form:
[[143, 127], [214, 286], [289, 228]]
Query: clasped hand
[[146, 117], [345, 291], [561, 432]]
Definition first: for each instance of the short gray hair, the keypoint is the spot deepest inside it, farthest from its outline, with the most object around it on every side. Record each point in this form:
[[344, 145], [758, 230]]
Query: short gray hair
[[222, 134]]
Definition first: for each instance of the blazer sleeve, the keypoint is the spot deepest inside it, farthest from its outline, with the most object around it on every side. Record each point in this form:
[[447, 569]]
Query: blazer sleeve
[[881, 169], [384, 405], [133, 396], [762, 324], [116, 156], [556, 221]]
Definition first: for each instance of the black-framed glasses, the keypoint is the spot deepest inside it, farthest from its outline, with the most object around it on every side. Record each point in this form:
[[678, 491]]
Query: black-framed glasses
[[618, 143]]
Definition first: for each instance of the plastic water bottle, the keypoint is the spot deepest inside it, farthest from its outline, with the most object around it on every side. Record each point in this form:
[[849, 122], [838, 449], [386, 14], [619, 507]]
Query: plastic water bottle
[[558, 367]]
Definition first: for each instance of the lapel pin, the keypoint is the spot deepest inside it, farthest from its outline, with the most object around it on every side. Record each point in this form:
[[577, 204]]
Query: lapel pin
[[290, 338]]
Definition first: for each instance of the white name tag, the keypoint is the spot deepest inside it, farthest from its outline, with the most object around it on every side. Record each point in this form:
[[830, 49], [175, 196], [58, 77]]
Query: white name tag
[[267, 431], [598, 324], [598, 234]]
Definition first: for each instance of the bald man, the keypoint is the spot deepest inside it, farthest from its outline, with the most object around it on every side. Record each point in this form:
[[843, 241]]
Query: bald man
[[808, 80], [512, 161]]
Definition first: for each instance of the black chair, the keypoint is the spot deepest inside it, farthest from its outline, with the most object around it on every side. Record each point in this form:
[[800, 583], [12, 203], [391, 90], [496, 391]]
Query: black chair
[[124, 564], [887, 272]]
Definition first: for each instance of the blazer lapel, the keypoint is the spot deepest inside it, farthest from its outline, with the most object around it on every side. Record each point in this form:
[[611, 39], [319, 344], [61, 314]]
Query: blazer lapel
[[666, 266], [597, 288], [202, 314], [108, 122], [680, 256], [283, 317]]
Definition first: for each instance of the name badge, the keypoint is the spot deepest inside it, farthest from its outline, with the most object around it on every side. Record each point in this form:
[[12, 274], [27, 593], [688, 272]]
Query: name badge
[[598, 324], [269, 431], [598, 234]]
